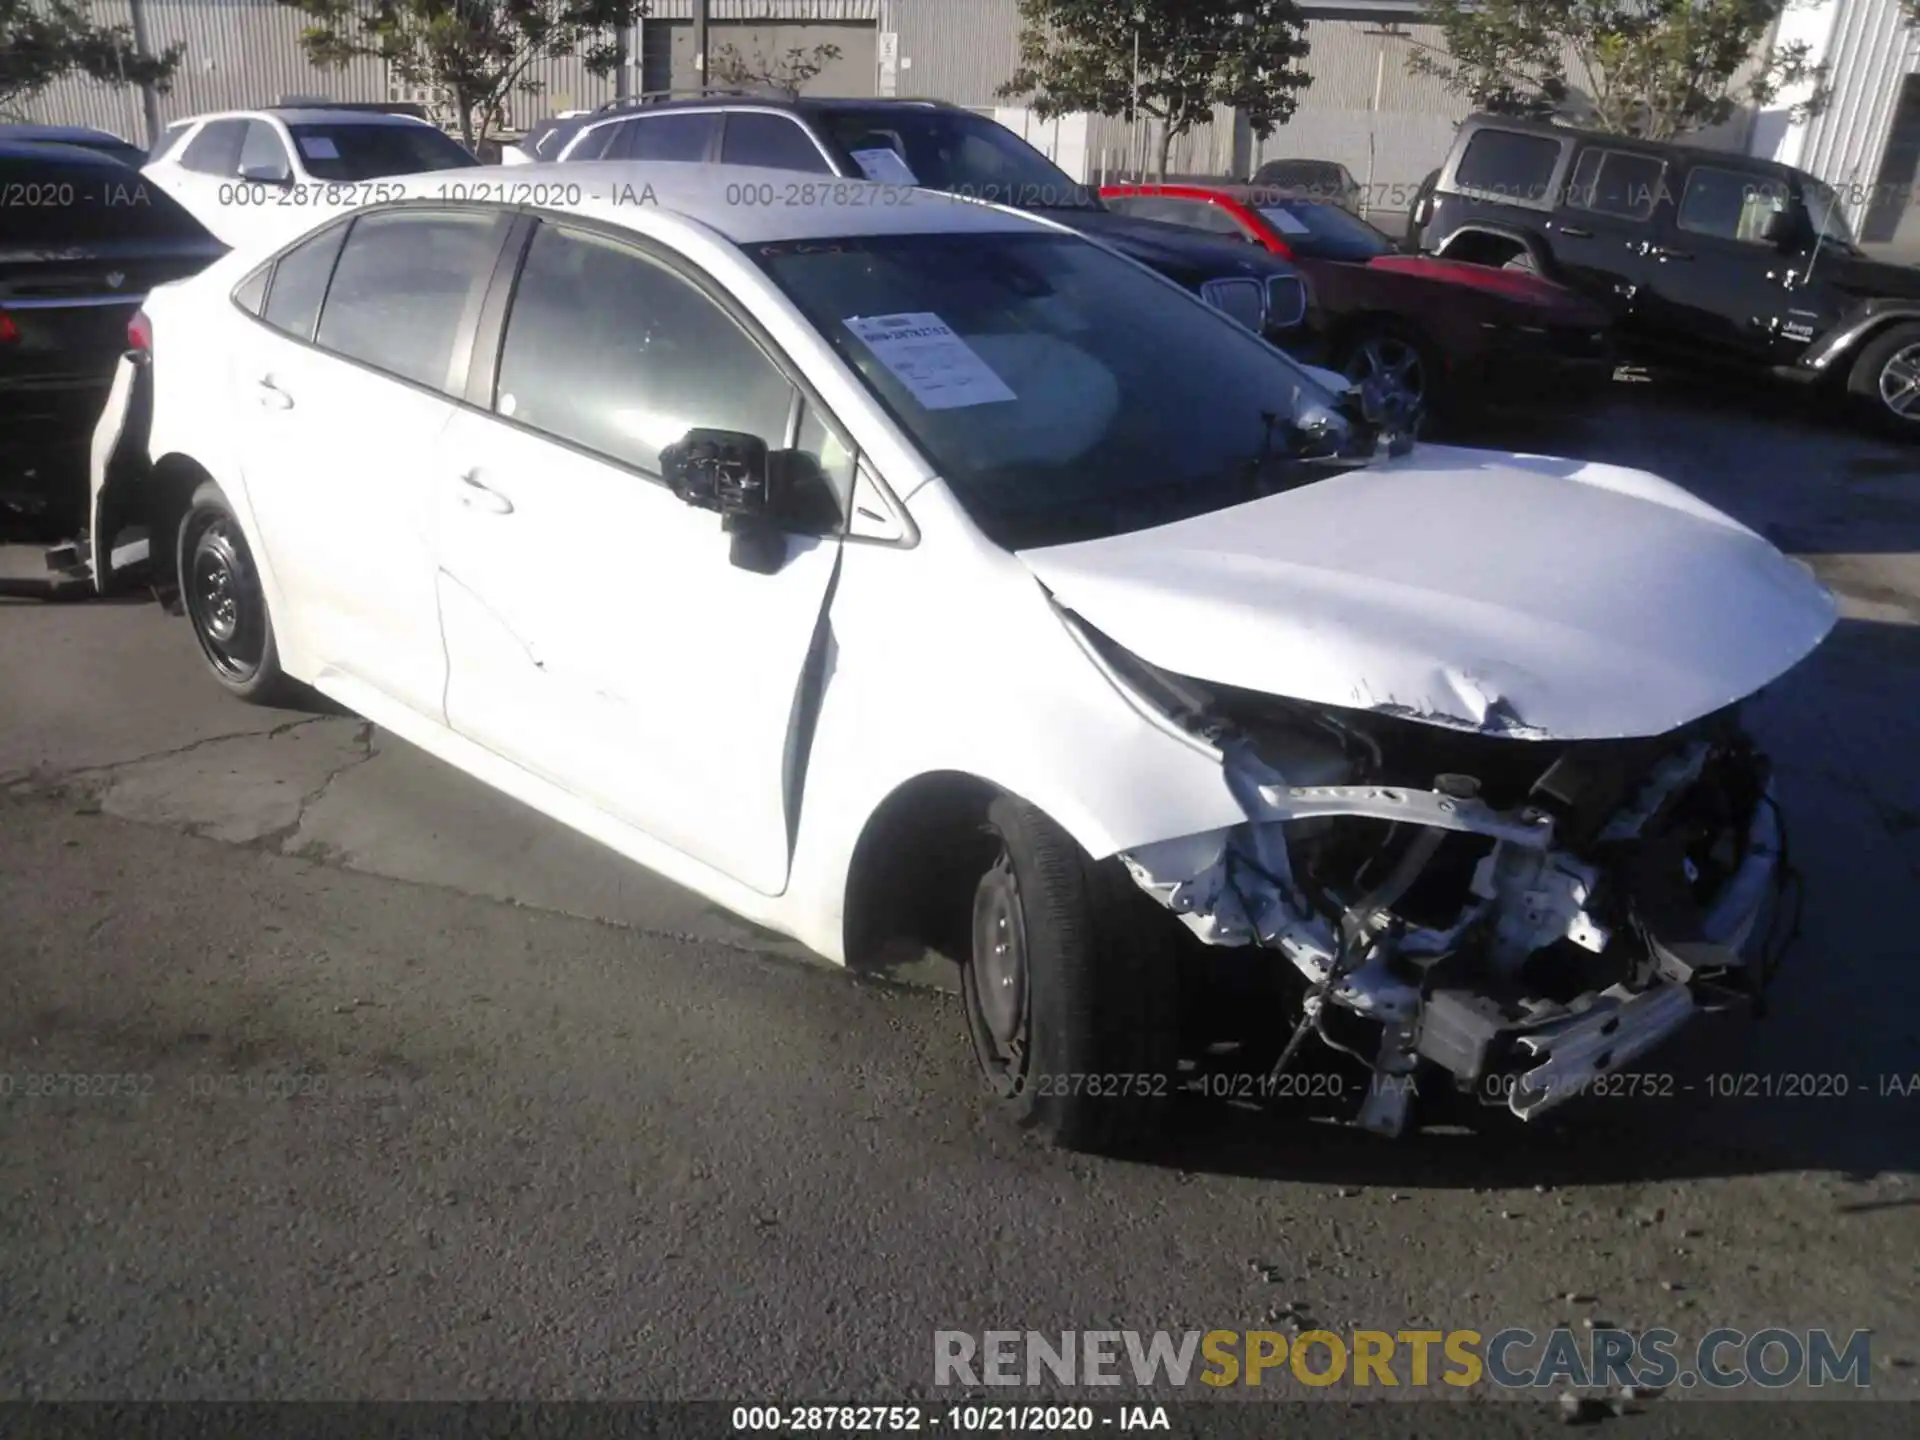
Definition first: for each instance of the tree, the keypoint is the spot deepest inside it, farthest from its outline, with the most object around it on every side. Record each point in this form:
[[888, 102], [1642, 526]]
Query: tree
[[1653, 68], [1080, 55], [788, 72], [473, 54], [42, 41]]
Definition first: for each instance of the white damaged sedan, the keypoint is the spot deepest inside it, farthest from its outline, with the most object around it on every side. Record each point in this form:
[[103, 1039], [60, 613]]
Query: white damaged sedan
[[891, 568]]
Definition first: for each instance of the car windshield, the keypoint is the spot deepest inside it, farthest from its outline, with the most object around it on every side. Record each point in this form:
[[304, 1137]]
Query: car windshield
[[1322, 232], [1824, 207], [368, 151], [1062, 392], [956, 151]]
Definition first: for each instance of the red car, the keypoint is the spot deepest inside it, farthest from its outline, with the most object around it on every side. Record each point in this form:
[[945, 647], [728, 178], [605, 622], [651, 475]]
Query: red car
[[1451, 337]]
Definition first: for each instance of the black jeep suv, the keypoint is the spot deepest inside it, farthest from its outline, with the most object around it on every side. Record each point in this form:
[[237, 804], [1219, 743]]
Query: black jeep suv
[[932, 144], [1706, 257]]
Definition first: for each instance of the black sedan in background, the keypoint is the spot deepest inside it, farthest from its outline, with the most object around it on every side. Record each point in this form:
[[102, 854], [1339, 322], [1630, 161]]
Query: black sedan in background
[[83, 237]]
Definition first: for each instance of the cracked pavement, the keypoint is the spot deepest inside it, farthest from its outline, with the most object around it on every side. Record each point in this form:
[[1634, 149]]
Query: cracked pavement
[[568, 1131]]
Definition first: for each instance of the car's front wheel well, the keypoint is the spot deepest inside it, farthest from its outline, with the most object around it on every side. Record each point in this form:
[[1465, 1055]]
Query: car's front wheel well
[[915, 868]]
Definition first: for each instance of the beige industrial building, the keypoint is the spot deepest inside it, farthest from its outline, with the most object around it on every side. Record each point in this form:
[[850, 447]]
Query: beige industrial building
[[1364, 108]]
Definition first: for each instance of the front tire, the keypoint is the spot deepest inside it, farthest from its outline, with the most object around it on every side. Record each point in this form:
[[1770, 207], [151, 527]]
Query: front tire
[[1071, 990], [1884, 383], [221, 593], [1400, 361]]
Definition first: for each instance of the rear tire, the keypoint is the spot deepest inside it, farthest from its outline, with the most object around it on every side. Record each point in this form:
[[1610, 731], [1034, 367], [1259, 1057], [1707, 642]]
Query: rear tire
[[1886, 376], [1071, 990], [221, 593], [1524, 263]]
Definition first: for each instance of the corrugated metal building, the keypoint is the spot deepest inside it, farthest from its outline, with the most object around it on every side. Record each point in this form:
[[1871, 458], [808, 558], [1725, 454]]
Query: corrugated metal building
[[1364, 108], [1865, 136]]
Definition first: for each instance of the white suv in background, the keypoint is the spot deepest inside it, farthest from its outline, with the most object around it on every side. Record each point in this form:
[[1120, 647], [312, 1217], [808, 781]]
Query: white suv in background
[[245, 174]]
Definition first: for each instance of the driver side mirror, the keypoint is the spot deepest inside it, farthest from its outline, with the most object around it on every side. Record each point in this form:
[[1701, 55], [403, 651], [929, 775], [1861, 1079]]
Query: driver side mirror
[[273, 173], [729, 472]]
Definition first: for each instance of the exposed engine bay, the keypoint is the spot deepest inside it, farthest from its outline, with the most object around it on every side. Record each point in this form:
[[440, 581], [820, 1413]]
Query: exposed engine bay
[[1524, 915]]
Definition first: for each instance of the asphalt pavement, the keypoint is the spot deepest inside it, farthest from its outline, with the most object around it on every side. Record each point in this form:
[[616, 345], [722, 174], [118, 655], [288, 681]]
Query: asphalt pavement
[[415, 1095]]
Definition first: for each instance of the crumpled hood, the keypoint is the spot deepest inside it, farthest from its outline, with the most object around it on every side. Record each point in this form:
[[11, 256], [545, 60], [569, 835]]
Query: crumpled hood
[[1515, 594]]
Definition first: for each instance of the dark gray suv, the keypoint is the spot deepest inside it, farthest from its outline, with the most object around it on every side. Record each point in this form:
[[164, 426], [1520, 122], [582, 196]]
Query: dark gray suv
[[934, 145]]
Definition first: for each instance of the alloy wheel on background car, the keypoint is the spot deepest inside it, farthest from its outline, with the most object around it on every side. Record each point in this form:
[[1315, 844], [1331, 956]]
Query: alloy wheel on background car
[[1900, 384], [1396, 365]]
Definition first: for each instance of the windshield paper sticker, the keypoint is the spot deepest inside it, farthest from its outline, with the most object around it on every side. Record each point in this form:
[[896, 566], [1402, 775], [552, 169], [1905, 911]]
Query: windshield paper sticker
[[1286, 222], [885, 166], [318, 147], [937, 366]]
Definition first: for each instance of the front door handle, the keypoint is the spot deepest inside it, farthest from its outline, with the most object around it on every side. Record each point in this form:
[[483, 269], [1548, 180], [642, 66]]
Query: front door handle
[[476, 496], [1576, 232], [271, 395], [1663, 254]]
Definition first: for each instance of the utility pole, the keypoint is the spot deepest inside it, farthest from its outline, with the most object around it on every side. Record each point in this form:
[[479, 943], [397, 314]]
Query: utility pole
[[700, 40], [1133, 108], [149, 97], [1383, 33]]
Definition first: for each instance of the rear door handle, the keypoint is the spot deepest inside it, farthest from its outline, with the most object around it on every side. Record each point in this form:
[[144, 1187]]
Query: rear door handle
[[1663, 254], [1576, 232], [476, 496], [271, 395]]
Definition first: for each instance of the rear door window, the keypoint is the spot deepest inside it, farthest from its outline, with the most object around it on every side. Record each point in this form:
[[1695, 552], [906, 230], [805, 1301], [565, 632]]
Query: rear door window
[[402, 286], [1730, 204], [1617, 182], [772, 141], [670, 137], [599, 143], [1509, 165], [299, 283], [216, 149]]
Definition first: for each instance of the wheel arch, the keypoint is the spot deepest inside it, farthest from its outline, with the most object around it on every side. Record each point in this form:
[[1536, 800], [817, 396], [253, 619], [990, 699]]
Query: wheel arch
[[175, 475], [1848, 346], [912, 870], [171, 484], [1483, 244]]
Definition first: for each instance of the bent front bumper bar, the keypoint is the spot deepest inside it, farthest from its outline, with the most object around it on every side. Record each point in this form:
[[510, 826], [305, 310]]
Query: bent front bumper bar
[[1567, 1055]]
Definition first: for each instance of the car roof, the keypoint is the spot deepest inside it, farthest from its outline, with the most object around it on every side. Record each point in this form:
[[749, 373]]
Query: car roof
[[1693, 154], [17, 149], [711, 195], [59, 132], [308, 115], [752, 100]]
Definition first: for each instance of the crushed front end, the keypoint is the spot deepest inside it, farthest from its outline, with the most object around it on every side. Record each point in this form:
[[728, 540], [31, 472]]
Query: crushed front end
[[1519, 914]]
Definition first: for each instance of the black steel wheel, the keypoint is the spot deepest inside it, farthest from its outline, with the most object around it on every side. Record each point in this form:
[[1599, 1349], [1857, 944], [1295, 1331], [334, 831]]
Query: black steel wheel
[[221, 594], [1071, 990]]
